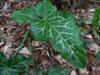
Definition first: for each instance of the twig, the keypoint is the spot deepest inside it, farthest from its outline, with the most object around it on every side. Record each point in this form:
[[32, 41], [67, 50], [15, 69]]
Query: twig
[[21, 45]]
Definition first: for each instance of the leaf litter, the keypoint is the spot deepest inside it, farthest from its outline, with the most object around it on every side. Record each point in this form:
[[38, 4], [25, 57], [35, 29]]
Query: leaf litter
[[11, 35]]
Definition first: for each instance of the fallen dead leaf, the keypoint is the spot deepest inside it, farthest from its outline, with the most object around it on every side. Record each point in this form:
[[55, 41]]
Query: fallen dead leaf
[[24, 51], [60, 59], [91, 10], [5, 7], [91, 59], [97, 71], [1, 43], [7, 50], [73, 73], [35, 43], [95, 35], [94, 48], [83, 71], [89, 36], [12, 0]]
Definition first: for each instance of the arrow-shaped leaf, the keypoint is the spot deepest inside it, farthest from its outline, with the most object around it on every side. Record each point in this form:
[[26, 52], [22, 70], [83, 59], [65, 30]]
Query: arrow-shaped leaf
[[60, 29]]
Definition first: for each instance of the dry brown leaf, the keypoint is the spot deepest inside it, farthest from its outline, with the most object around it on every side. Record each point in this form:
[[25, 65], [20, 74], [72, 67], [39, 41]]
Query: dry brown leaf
[[35, 43], [7, 50], [1, 43], [60, 59], [12, 0], [95, 35], [5, 7], [83, 71], [94, 48], [24, 51], [73, 73], [97, 71], [91, 10], [89, 36]]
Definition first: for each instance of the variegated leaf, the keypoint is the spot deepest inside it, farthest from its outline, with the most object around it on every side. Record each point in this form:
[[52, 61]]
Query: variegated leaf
[[60, 29], [14, 65]]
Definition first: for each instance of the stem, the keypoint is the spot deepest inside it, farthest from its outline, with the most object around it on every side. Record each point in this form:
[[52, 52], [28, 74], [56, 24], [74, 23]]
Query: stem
[[32, 54], [21, 45], [30, 45]]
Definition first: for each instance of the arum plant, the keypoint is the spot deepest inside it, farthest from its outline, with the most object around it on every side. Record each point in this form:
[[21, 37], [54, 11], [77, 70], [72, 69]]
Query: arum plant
[[96, 20], [14, 65], [58, 28]]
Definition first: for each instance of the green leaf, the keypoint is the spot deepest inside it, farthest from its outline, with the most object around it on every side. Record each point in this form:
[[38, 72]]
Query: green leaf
[[58, 71], [60, 29], [98, 56], [96, 18], [13, 66], [23, 16]]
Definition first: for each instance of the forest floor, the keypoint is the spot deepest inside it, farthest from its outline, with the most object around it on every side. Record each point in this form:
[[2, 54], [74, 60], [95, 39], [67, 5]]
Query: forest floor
[[11, 34]]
